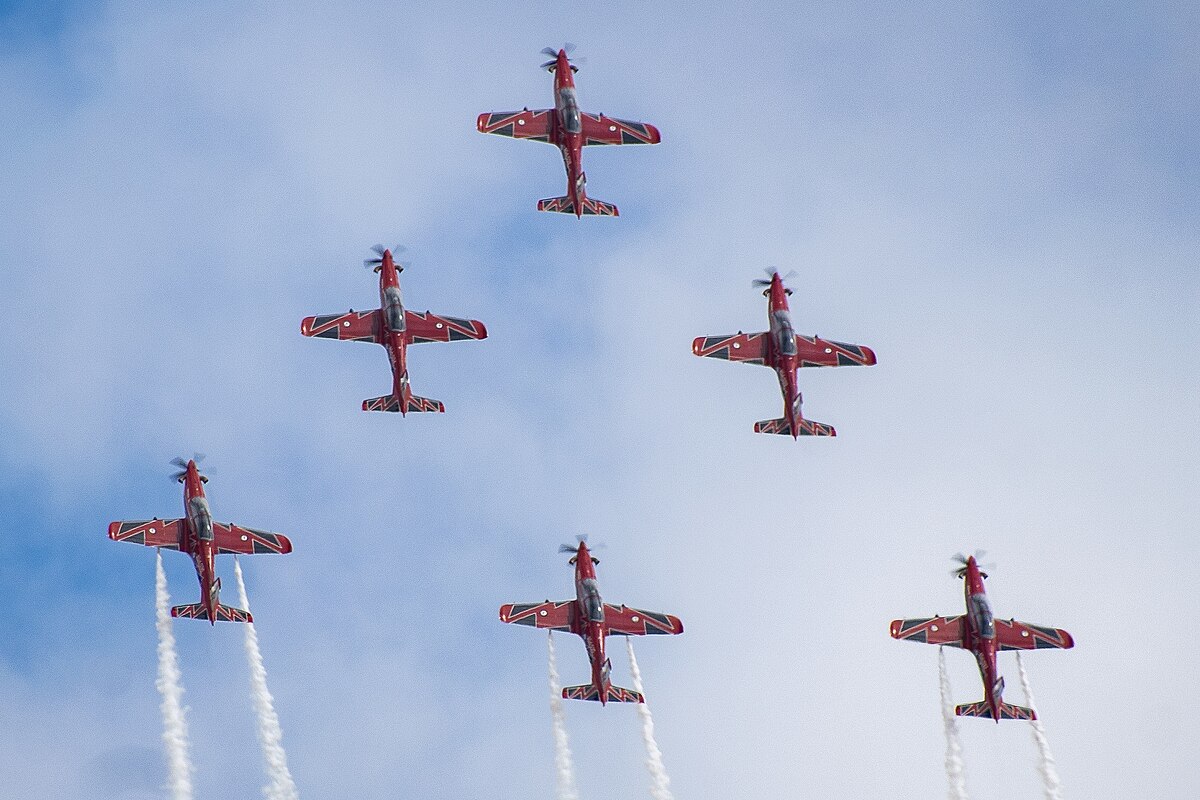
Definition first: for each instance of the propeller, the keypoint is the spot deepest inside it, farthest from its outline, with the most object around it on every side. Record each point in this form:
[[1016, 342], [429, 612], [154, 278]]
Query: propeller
[[961, 559], [771, 273], [379, 250], [579, 539], [568, 48], [179, 462]]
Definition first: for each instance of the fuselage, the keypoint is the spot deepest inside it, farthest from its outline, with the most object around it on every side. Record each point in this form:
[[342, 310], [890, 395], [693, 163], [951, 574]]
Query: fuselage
[[782, 353], [589, 619], [394, 340], [200, 542], [979, 635], [567, 131]]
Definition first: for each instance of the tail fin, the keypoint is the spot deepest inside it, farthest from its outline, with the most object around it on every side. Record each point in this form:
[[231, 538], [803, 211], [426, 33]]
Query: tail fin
[[616, 694], [804, 427], [224, 613], [392, 403], [589, 208], [982, 709]]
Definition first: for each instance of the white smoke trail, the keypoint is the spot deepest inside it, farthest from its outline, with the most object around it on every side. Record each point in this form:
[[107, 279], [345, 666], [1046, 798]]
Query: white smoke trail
[[170, 686], [954, 761], [660, 784], [565, 769], [270, 735], [1046, 764]]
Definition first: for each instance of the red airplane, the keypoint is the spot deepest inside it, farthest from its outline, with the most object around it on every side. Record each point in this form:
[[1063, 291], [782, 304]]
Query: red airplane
[[591, 618], [394, 327], [197, 535], [784, 351], [982, 634], [569, 129]]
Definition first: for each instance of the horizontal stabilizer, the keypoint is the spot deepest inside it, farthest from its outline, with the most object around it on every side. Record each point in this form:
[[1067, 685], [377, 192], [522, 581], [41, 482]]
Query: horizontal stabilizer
[[590, 207], [982, 709], [616, 694], [804, 427], [424, 404], [224, 613], [392, 403]]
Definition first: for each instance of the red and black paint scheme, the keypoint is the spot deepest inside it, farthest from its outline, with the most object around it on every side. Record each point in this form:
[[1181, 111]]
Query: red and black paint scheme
[[781, 349], [984, 635], [197, 535], [570, 130], [589, 617], [394, 327]]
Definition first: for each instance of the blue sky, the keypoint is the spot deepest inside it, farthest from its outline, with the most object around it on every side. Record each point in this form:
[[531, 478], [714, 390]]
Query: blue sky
[[998, 198]]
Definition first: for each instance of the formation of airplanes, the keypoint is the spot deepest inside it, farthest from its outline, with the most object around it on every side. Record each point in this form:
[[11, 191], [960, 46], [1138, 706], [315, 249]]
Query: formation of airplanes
[[779, 348]]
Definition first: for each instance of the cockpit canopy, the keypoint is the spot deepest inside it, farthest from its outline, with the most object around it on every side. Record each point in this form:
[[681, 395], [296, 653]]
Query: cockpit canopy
[[592, 603], [981, 613], [569, 109], [785, 332], [393, 309], [201, 518]]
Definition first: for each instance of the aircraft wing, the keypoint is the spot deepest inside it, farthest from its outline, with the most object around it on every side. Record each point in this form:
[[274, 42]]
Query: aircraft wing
[[816, 352], [930, 630], [749, 348], [557, 616], [353, 326], [429, 327], [635, 622], [525, 124], [599, 129], [164, 533], [235, 539], [1013, 635]]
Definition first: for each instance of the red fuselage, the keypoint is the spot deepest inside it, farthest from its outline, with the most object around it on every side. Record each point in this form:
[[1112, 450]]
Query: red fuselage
[[566, 130], [782, 354], [198, 540], [391, 304], [979, 635], [589, 619]]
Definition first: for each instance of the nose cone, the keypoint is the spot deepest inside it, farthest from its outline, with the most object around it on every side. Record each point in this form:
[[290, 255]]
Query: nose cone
[[868, 357]]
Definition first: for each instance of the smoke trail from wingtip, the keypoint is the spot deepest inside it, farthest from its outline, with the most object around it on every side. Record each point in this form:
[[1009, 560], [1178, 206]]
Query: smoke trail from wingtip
[[170, 686], [564, 768], [660, 783], [1046, 764], [954, 762], [270, 735]]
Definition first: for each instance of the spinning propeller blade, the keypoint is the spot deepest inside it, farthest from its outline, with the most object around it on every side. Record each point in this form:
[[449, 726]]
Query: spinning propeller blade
[[371, 263], [568, 48], [771, 273], [959, 558], [579, 539]]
